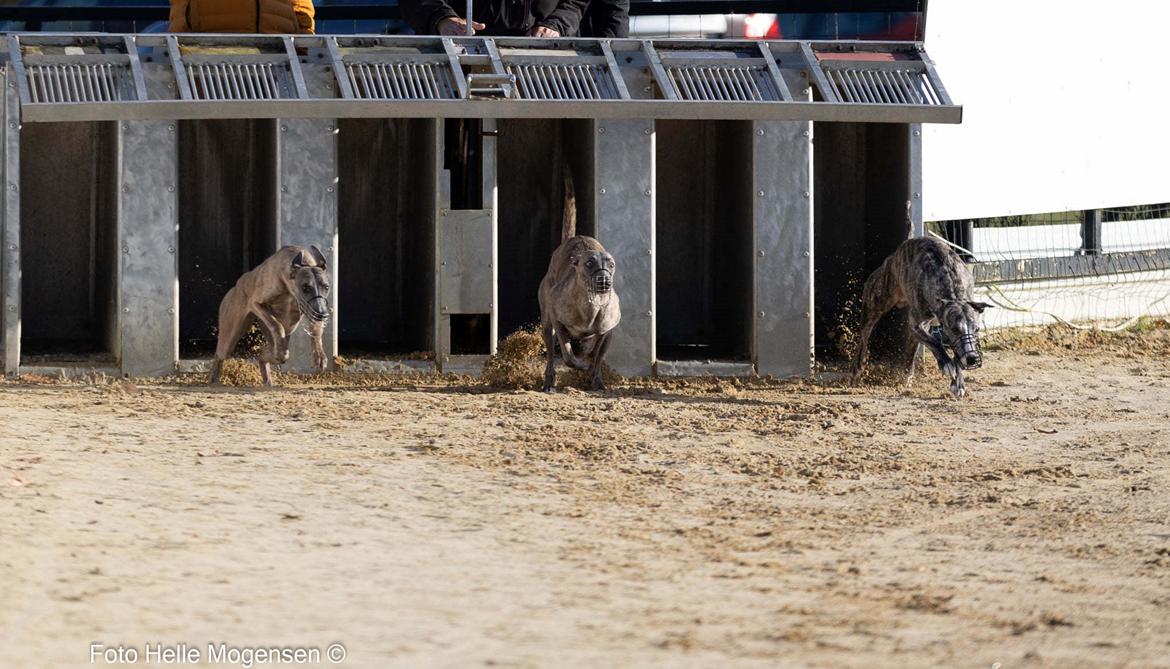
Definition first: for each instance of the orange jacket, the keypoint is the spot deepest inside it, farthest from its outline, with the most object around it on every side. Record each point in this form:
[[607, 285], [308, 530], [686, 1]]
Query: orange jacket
[[241, 16]]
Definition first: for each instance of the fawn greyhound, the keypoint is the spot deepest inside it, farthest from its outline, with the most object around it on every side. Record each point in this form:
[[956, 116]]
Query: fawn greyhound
[[288, 287], [578, 306]]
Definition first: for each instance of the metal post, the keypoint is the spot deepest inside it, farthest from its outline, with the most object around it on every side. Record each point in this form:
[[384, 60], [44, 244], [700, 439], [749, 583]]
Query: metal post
[[1091, 232], [623, 160], [10, 254], [470, 32], [782, 212], [307, 212], [962, 234], [466, 252], [917, 229], [148, 239]]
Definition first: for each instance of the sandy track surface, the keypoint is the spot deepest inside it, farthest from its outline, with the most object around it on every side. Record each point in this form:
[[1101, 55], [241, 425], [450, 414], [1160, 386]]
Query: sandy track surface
[[691, 523]]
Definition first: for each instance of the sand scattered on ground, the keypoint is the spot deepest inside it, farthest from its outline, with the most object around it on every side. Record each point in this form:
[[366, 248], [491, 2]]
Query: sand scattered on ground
[[425, 520]]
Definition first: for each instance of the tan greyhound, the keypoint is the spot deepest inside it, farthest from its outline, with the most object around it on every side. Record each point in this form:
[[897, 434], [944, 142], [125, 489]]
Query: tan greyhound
[[578, 306], [285, 289]]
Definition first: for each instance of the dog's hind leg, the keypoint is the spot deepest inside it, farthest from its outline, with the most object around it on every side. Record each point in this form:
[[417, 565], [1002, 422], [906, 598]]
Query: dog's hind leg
[[599, 350], [874, 304], [234, 319], [550, 346]]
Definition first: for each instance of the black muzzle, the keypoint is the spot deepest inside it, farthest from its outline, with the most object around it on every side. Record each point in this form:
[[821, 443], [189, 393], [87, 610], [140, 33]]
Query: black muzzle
[[968, 352]]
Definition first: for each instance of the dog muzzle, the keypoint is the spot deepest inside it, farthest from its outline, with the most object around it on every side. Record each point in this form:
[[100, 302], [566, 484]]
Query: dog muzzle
[[601, 282], [316, 309], [968, 352]]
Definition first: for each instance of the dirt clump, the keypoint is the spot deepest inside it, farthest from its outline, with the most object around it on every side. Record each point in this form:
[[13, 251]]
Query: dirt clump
[[518, 362]]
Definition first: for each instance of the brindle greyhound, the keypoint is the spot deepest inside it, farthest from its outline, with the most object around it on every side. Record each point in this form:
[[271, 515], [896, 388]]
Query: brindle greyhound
[[578, 306], [288, 287], [927, 276]]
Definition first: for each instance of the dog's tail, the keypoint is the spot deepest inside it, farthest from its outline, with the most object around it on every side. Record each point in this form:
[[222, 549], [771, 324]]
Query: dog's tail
[[569, 209]]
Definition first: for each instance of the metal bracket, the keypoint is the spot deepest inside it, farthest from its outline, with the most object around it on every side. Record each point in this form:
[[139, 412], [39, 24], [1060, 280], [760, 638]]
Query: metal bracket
[[339, 71], [658, 71], [828, 93]]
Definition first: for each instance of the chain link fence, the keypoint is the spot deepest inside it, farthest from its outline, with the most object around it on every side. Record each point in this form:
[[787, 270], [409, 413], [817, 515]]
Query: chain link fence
[[1104, 269]]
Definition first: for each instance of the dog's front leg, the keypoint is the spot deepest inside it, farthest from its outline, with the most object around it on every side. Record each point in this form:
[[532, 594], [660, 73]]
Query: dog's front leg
[[550, 346], [316, 334], [567, 353], [599, 350], [276, 337], [945, 364]]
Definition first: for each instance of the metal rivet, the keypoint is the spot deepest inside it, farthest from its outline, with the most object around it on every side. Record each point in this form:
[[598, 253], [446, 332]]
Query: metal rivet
[[649, 313], [649, 192], [12, 124], [170, 189], [125, 189], [917, 133], [284, 128], [125, 248], [806, 194], [804, 91], [649, 251], [805, 254], [602, 191], [171, 128], [125, 310], [761, 254], [125, 126], [761, 193], [12, 247], [760, 132], [444, 307], [284, 189], [647, 88], [761, 314], [170, 249], [329, 127], [12, 307], [491, 306], [329, 189], [917, 195], [170, 310], [646, 131], [806, 314], [443, 263], [806, 133], [601, 130], [12, 187]]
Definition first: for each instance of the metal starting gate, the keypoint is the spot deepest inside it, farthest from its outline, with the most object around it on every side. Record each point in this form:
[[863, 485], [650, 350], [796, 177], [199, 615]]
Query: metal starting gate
[[631, 110]]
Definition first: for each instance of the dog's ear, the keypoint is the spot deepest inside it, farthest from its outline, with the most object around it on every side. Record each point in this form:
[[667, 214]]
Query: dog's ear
[[299, 260], [980, 306], [318, 257]]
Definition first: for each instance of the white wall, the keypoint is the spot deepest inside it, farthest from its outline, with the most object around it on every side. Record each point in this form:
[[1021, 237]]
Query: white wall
[[1066, 106]]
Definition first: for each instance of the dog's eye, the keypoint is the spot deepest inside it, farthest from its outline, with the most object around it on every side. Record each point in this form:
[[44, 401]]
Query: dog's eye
[[590, 263], [306, 290]]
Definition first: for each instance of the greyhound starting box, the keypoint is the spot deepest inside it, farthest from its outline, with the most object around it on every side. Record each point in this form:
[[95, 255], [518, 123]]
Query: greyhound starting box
[[144, 173]]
